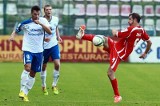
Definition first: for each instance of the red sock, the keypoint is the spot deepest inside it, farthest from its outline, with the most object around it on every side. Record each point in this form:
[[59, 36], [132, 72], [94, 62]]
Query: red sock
[[88, 37], [115, 86]]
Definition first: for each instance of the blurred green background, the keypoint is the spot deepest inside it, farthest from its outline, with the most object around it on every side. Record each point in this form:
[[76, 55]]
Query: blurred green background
[[100, 16]]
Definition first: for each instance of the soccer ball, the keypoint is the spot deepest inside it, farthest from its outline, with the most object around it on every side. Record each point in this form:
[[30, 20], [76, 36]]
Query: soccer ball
[[98, 40]]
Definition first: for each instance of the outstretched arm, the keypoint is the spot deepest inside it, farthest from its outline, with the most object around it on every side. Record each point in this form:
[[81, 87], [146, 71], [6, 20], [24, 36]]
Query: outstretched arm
[[12, 36], [149, 43]]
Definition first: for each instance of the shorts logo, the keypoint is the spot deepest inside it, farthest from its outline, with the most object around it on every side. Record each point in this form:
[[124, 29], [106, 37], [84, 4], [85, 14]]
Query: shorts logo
[[113, 59], [28, 58]]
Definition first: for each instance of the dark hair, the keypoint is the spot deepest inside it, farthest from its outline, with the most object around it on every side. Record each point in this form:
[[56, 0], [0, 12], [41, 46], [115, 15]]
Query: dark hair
[[135, 16], [36, 8], [47, 5]]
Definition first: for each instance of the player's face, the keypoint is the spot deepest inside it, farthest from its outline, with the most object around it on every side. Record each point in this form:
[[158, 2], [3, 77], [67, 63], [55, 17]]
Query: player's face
[[130, 21], [48, 11], [35, 15]]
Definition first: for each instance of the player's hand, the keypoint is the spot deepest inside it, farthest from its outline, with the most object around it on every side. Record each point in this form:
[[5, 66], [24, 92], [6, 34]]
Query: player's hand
[[143, 55], [37, 22], [11, 38], [47, 39], [60, 40], [114, 32]]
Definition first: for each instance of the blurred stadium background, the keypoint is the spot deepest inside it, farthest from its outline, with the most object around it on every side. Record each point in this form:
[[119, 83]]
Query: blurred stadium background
[[99, 15], [84, 84]]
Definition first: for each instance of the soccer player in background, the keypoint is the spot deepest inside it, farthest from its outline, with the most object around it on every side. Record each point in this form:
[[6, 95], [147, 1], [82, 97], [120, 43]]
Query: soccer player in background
[[121, 49], [51, 49], [32, 48]]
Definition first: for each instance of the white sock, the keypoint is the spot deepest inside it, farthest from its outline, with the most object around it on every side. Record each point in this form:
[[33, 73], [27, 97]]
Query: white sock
[[43, 78], [24, 79], [29, 84], [55, 78]]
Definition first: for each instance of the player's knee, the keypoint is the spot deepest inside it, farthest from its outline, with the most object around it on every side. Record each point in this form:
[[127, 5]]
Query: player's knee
[[44, 67], [110, 73], [32, 74], [57, 66], [27, 67]]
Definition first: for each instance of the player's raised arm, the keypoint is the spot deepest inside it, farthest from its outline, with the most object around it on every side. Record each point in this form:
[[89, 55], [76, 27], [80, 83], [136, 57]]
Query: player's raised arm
[[46, 28]]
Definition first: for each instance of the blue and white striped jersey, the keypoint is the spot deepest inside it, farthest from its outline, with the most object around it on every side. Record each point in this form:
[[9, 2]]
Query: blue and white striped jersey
[[33, 35], [53, 41]]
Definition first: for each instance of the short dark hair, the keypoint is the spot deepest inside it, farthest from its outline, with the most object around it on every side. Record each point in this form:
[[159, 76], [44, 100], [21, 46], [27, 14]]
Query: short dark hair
[[135, 16], [36, 8], [47, 5]]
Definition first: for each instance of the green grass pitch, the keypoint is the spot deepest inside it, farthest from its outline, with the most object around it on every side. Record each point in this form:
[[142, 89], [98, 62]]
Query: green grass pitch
[[85, 84]]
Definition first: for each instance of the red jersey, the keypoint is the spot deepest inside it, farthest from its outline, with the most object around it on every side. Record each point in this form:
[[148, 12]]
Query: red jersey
[[129, 38]]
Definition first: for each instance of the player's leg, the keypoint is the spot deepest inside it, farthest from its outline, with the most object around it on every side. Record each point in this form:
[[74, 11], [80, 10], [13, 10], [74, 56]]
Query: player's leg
[[114, 61], [81, 34], [29, 85], [89, 37], [56, 71], [24, 75], [56, 74], [27, 59], [35, 67], [114, 83], [24, 80], [43, 74]]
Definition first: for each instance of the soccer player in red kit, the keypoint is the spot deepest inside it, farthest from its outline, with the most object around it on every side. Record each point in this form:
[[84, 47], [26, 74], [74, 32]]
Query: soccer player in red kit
[[121, 49]]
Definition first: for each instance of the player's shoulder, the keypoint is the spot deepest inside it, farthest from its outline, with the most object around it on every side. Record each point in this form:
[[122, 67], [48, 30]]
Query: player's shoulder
[[138, 27], [26, 21], [55, 18], [42, 19], [133, 28]]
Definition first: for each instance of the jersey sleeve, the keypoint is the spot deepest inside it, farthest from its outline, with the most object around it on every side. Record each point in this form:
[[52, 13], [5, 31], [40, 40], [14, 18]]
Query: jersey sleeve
[[124, 33], [19, 28], [145, 36], [20, 25]]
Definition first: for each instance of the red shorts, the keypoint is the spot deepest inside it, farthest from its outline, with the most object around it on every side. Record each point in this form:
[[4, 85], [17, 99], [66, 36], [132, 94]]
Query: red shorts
[[114, 58]]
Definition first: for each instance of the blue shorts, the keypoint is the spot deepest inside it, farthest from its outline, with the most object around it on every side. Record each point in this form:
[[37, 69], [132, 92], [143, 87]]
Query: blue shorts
[[53, 52], [35, 59]]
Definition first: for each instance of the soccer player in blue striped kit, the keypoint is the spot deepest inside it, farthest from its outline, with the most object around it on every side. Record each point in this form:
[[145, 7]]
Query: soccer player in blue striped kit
[[51, 49], [32, 48]]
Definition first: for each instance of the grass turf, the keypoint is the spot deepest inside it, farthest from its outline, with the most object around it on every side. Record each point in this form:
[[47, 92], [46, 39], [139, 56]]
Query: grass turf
[[85, 84]]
